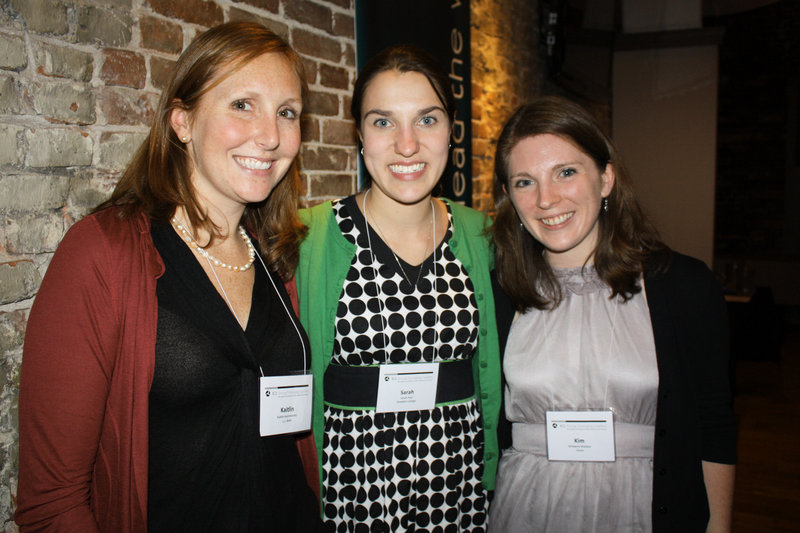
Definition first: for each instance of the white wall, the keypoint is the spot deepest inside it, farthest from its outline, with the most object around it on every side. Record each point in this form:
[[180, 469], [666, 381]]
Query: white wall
[[664, 120]]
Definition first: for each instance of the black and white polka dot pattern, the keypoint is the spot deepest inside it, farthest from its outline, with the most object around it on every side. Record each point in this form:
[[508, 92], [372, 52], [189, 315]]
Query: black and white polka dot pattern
[[415, 470]]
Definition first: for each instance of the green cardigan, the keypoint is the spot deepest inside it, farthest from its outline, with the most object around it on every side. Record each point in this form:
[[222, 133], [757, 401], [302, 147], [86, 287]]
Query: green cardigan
[[325, 258]]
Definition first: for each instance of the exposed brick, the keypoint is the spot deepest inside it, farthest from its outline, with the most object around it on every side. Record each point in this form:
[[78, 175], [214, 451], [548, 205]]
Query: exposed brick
[[309, 128], [309, 13], [162, 35], [280, 29], [34, 233], [10, 95], [160, 72], [9, 144], [28, 192], [124, 68], [128, 107], [204, 13], [12, 52], [320, 103], [12, 332], [109, 27], [70, 103], [344, 25], [316, 45], [347, 100], [341, 3], [272, 6], [349, 55], [311, 68], [334, 77], [322, 158], [341, 132], [62, 62], [43, 16], [125, 4], [58, 148], [18, 280], [336, 185], [117, 149], [87, 191]]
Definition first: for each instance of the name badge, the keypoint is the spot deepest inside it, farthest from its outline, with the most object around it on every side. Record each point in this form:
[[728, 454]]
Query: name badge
[[285, 404], [407, 387], [580, 435]]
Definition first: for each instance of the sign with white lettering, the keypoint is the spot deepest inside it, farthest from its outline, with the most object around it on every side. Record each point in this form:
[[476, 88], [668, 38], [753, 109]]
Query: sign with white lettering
[[440, 27]]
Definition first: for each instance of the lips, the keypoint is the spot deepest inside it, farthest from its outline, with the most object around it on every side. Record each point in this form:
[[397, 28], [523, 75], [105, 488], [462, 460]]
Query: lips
[[407, 169], [252, 163], [556, 220]]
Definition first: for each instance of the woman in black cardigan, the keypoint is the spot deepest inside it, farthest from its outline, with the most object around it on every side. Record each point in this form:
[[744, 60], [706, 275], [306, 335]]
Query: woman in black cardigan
[[616, 349]]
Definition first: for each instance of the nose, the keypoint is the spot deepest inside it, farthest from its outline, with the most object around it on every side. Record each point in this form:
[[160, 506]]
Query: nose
[[548, 195], [406, 142], [267, 135]]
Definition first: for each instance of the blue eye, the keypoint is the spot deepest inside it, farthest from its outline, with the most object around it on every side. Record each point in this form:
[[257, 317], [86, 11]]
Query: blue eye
[[382, 123], [567, 172], [521, 183], [428, 120]]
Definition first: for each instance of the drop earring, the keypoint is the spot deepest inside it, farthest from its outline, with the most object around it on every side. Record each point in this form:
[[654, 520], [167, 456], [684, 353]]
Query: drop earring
[[605, 204]]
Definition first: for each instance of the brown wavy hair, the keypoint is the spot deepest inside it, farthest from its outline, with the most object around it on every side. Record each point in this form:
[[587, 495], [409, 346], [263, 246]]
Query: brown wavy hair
[[627, 242], [158, 178]]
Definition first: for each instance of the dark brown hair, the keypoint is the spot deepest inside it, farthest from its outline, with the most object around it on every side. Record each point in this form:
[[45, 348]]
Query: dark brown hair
[[626, 242], [403, 58], [158, 178]]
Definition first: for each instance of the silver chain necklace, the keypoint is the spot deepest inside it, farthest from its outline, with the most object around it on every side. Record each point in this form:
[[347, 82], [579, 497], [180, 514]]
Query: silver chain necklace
[[397, 259]]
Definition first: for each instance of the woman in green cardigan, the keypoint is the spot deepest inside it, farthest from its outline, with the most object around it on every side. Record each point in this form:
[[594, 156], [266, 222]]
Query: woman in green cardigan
[[396, 297]]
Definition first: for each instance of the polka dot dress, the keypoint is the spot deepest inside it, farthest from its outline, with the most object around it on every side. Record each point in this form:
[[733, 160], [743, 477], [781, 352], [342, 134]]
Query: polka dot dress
[[415, 470]]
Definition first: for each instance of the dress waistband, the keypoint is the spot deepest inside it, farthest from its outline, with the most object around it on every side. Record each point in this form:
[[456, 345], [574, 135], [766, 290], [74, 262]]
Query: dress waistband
[[356, 387], [630, 440]]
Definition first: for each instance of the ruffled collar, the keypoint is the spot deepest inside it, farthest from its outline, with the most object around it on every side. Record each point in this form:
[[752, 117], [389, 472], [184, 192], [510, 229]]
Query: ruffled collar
[[580, 280]]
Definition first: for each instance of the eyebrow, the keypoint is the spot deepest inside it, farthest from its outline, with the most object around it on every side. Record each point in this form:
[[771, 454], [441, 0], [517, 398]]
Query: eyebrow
[[385, 113]]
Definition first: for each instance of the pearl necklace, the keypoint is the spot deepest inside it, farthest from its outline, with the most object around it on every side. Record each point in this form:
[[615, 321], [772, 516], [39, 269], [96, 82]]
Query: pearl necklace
[[189, 239]]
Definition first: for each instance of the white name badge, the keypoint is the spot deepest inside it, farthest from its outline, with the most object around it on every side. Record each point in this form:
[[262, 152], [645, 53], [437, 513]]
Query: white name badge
[[580, 435], [407, 387], [285, 404]]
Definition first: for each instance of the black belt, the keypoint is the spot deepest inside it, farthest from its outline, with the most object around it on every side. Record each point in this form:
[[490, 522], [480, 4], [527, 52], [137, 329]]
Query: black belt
[[356, 387]]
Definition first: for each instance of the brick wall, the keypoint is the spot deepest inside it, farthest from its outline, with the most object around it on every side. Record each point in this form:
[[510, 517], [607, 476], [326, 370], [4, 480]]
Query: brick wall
[[506, 71], [79, 80]]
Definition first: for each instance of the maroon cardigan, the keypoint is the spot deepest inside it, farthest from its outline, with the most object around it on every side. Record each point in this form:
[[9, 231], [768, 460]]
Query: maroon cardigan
[[87, 368]]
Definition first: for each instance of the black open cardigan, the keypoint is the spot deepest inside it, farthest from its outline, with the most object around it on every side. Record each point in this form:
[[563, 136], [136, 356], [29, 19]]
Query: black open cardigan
[[694, 417]]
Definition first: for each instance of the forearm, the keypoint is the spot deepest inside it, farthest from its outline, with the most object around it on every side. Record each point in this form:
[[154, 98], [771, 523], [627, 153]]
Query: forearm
[[719, 482]]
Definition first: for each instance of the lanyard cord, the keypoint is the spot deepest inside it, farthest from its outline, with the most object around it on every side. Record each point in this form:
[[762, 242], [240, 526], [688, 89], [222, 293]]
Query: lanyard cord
[[381, 305]]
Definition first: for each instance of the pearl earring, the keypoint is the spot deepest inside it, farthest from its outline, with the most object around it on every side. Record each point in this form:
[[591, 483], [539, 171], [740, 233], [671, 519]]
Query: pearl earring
[[605, 204], [362, 150]]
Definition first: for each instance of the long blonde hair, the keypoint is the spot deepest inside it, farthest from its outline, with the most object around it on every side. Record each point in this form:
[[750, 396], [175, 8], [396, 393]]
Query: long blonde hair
[[158, 178]]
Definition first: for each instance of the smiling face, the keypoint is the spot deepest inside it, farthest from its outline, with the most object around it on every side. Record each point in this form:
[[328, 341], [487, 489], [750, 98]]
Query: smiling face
[[557, 190], [405, 133], [244, 134]]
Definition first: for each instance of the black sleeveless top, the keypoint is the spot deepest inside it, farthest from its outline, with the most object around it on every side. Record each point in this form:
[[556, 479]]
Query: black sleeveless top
[[209, 469]]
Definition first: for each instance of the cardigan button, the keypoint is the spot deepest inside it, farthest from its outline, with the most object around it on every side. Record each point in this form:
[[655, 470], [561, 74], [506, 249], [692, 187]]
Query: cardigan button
[[480, 296], [662, 510], [662, 432], [484, 364], [483, 331], [485, 395], [662, 471]]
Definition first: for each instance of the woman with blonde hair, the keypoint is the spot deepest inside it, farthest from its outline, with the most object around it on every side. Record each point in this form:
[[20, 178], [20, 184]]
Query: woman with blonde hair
[[163, 312]]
